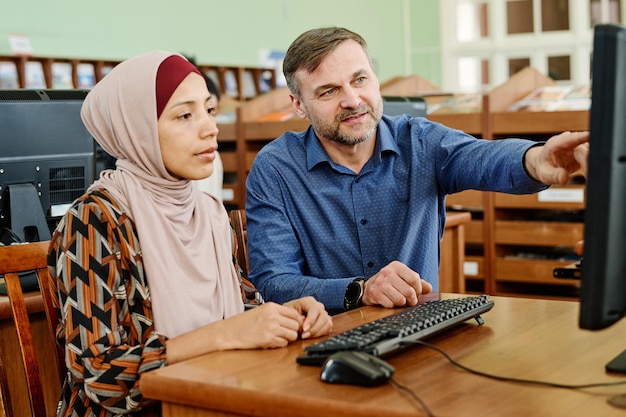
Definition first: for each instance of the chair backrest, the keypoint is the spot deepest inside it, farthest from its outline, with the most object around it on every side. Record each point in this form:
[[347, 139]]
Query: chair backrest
[[32, 257], [238, 223]]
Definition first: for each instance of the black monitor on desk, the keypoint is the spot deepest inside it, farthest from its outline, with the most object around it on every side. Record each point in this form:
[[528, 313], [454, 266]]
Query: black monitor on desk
[[603, 291], [412, 105], [47, 160]]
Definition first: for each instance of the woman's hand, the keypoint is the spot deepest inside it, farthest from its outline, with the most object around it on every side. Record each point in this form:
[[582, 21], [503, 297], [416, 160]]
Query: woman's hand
[[317, 322], [269, 325], [272, 325]]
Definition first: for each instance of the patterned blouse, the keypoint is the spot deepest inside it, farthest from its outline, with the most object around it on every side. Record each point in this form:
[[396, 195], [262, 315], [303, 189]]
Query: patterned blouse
[[106, 316]]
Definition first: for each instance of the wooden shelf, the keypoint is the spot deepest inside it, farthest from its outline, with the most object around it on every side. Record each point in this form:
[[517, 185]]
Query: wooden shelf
[[238, 82], [242, 83], [570, 197], [227, 146], [54, 72], [533, 271], [533, 123], [515, 223]]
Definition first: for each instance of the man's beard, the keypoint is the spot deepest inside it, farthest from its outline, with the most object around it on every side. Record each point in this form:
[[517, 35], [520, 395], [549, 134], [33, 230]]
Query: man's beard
[[332, 131]]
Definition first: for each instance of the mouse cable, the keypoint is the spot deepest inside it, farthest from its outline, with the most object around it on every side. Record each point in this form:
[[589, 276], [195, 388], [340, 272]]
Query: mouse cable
[[517, 380], [413, 395]]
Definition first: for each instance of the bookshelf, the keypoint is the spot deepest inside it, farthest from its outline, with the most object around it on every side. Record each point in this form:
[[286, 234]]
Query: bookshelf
[[530, 235], [56, 72], [241, 83], [238, 82], [227, 146]]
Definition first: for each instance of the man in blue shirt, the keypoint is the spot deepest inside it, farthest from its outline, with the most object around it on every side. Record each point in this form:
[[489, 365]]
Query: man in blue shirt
[[351, 211]]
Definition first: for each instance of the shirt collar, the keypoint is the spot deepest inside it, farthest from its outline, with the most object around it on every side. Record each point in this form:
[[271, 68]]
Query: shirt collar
[[315, 153]]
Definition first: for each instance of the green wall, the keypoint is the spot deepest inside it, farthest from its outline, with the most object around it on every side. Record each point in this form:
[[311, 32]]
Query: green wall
[[226, 32]]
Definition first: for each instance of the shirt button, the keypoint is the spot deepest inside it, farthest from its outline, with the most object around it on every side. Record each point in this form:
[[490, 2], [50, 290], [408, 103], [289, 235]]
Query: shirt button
[[363, 222], [370, 264]]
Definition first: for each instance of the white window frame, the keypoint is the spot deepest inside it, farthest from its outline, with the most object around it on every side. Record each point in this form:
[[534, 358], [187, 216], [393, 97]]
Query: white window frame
[[499, 47]]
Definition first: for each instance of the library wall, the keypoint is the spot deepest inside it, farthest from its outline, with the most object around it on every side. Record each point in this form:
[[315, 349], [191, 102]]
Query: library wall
[[230, 33]]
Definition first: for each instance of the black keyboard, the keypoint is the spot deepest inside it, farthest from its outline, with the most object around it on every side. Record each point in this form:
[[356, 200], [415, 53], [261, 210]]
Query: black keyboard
[[397, 331]]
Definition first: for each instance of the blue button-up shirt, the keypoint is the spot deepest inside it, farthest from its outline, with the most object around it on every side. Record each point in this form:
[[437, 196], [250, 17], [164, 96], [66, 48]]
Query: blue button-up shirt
[[314, 225]]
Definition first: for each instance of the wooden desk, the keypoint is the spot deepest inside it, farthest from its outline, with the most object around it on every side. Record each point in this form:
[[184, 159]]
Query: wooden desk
[[451, 275], [522, 338]]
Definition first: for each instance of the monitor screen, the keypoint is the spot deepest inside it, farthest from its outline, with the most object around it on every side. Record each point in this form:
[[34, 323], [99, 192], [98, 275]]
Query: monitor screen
[[603, 289], [47, 159], [412, 105]]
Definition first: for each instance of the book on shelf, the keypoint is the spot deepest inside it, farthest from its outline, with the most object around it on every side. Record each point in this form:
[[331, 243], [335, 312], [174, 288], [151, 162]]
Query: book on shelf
[[8, 75], [62, 75], [86, 75]]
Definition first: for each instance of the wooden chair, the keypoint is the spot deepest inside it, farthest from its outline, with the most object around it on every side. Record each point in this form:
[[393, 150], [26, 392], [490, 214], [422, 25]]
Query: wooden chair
[[251, 295], [15, 259], [238, 223]]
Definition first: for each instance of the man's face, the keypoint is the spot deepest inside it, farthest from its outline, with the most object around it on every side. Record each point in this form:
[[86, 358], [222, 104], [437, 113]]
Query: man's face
[[341, 98]]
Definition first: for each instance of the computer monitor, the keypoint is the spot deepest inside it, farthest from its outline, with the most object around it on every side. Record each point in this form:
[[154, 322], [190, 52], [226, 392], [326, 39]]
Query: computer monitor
[[47, 159], [412, 105], [603, 288]]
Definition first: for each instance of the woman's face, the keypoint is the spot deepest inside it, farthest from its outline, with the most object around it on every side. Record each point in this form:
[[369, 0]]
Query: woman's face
[[187, 130]]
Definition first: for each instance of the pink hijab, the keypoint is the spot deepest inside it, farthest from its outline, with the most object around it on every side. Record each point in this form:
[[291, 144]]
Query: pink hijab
[[184, 235]]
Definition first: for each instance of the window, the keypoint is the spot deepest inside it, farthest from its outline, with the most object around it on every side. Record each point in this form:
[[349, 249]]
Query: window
[[519, 16], [471, 21], [493, 39]]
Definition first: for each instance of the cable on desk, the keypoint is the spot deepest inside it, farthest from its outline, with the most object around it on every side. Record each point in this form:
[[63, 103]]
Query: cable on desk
[[413, 395], [518, 380], [459, 365]]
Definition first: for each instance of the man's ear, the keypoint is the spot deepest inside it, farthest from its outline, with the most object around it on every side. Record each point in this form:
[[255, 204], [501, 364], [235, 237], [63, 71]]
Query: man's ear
[[297, 106]]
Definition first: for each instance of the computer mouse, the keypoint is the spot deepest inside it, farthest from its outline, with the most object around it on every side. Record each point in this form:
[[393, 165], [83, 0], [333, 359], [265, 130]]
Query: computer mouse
[[356, 368]]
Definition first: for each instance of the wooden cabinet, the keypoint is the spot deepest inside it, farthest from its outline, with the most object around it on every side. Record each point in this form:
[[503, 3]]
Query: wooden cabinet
[[535, 233], [227, 142], [472, 201], [530, 235]]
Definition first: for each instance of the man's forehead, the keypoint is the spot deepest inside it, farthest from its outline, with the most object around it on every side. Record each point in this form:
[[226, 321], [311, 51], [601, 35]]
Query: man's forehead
[[341, 65]]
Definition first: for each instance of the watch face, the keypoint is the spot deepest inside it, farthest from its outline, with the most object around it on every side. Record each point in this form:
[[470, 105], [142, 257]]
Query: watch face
[[353, 295], [353, 291]]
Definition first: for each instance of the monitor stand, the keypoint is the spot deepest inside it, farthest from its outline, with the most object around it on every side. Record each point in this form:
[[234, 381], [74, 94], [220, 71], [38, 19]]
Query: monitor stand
[[617, 364], [28, 223]]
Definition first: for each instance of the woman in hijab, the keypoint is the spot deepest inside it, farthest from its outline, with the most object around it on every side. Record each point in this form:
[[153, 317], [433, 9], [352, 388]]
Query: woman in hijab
[[142, 262]]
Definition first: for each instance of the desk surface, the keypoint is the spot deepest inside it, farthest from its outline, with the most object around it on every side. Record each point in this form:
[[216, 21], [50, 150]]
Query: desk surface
[[522, 338]]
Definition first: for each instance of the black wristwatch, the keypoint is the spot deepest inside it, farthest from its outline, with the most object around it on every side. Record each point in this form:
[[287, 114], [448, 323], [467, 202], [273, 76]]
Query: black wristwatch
[[354, 294]]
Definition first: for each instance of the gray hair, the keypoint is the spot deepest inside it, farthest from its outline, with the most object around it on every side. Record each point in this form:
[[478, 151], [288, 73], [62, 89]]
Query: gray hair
[[311, 47]]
